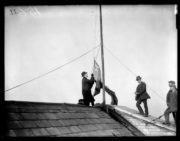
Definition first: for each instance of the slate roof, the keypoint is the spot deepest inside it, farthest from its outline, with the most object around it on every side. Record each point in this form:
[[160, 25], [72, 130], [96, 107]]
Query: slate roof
[[145, 124], [51, 119]]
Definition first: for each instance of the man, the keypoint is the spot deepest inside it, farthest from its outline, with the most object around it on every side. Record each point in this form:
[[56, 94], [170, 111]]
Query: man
[[86, 89], [141, 96], [171, 100]]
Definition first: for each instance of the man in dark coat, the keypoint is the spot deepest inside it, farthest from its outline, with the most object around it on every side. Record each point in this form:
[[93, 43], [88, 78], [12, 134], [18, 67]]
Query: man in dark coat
[[171, 100], [141, 96], [86, 89]]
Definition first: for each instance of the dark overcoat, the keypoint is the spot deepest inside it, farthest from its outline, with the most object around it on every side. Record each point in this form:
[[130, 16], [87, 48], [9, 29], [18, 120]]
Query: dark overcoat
[[86, 88], [171, 100], [141, 92]]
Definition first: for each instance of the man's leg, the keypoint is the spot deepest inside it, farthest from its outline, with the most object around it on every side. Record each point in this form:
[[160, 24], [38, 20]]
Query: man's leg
[[85, 99], [145, 107], [139, 107], [166, 115], [92, 103], [86, 102], [174, 116]]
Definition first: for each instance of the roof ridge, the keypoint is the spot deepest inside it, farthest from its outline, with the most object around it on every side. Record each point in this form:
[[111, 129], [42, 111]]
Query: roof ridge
[[40, 102]]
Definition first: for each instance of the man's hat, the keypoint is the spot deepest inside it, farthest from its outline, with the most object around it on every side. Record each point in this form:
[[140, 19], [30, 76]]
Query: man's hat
[[83, 73], [138, 78], [172, 82]]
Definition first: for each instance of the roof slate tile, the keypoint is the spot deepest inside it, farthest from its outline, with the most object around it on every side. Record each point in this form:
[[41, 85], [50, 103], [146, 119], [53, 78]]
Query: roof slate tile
[[12, 110], [123, 132], [11, 133], [61, 122], [96, 120], [55, 123], [108, 120], [64, 130], [29, 116], [42, 123], [41, 116], [91, 115], [114, 126], [72, 122], [14, 116], [65, 122], [39, 132], [67, 115], [14, 125], [80, 121], [28, 124], [53, 131], [60, 115], [50, 116], [74, 129], [90, 121], [23, 132]]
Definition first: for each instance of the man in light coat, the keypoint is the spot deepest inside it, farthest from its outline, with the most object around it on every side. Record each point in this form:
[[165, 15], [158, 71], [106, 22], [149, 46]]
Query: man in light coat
[[141, 96], [171, 101]]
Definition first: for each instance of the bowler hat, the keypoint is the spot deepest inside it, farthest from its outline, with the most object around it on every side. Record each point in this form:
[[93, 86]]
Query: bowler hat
[[83, 73], [138, 78], [172, 82]]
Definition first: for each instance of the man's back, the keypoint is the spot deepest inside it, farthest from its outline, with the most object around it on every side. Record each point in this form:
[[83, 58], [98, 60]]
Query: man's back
[[87, 84], [172, 100]]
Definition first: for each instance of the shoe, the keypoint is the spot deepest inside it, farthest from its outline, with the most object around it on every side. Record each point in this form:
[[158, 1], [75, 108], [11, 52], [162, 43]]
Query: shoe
[[166, 123], [140, 114], [145, 115]]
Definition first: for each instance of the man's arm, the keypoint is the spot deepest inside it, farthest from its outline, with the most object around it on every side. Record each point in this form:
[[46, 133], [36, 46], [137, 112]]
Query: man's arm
[[90, 81]]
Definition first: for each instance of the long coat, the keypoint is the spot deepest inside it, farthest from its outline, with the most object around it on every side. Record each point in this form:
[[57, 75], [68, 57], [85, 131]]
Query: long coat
[[86, 88], [171, 100], [141, 92]]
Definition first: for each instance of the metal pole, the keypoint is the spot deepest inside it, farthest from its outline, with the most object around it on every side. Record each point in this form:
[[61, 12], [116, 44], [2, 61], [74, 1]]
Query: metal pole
[[102, 56]]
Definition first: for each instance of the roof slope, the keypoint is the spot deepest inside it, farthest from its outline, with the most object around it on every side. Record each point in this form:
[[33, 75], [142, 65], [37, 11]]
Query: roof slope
[[51, 119], [145, 124]]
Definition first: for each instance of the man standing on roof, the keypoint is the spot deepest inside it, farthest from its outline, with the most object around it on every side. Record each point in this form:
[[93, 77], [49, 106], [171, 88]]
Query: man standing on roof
[[86, 89], [171, 101], [141, 96]]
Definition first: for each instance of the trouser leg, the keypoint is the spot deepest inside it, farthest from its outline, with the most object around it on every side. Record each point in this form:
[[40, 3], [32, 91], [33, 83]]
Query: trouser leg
[[92, 103], [166, 115], [139, 107], [85, 98], [174, 116], [145, 107], [86, 102]]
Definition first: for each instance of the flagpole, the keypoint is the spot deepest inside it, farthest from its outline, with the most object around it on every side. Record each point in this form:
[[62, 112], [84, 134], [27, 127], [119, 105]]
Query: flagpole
[[102, 56]]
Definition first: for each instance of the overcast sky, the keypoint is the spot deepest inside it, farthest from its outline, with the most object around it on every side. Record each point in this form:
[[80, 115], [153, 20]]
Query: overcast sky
[[39, 39]]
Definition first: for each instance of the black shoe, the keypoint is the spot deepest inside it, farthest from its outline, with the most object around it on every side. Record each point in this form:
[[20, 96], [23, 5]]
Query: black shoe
[[140, 113], [166, 123], [145, 115]]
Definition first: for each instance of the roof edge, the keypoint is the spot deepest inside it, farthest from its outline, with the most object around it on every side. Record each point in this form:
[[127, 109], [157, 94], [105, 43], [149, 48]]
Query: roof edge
[[39, 102]]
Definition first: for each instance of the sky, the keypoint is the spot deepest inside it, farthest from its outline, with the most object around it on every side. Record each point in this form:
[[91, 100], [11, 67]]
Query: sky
[[41, 38]]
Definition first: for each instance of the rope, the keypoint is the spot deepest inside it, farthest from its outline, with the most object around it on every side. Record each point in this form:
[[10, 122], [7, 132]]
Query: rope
[[97, 54], [121, 62], [132, 72], [42, 75]]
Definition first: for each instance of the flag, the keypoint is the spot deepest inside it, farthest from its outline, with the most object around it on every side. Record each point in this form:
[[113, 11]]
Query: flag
[[97, 77], [96, 71]]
